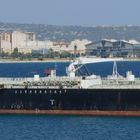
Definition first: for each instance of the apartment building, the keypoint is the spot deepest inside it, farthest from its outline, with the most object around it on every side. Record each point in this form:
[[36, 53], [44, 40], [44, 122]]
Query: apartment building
[[26, 42]]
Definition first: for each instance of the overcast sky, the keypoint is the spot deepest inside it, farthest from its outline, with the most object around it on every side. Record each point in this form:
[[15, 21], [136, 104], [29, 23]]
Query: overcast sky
[[71, 12]]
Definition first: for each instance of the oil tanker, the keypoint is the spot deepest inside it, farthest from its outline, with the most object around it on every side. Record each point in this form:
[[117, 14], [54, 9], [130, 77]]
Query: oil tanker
[[114, 95]]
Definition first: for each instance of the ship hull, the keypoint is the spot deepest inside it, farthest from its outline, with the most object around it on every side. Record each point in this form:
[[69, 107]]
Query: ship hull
[[115, 102]]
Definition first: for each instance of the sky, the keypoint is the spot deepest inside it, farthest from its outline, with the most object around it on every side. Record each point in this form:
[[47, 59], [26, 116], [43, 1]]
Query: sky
[[71, 12]]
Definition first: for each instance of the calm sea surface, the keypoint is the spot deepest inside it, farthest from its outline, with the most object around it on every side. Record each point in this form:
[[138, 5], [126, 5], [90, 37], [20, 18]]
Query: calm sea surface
[[68, 128], [33, 127], [30, 69]]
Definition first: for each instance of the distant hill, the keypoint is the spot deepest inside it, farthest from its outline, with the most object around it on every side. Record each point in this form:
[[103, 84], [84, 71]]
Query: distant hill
[[69, 33]]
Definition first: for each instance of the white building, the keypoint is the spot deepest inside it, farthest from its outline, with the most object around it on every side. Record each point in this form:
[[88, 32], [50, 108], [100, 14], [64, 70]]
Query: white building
[[26, 42], [80, 45]]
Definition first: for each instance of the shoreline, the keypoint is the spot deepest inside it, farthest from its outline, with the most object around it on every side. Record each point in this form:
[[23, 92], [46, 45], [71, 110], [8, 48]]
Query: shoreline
[[33, 60], [51, 60]]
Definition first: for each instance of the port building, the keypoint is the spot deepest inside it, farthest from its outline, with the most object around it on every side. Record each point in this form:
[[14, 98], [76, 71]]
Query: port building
[[114, 48]]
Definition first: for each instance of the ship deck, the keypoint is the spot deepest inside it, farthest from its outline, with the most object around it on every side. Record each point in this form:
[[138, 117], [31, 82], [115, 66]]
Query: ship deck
[[67, 83]]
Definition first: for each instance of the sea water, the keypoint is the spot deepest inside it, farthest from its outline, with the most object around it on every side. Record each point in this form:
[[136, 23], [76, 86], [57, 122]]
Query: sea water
[[30, 69], [36, 127]]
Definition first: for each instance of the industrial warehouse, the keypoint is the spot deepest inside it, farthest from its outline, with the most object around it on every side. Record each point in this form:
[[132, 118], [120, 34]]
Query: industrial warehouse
[[114, 48]]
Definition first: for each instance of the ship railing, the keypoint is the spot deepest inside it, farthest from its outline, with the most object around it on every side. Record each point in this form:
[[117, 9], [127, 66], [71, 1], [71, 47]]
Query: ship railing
[[121, 79], [40, 79], [118, 83], [116, 87], [10, 86], [19, 79], [14, 80]]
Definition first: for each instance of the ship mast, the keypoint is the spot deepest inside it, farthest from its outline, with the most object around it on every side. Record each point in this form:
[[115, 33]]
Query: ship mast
[[115, 73]]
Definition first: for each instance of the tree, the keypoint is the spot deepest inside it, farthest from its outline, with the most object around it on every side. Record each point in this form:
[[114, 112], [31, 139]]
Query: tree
[[15, 52], [50, 53], [65, 54]]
